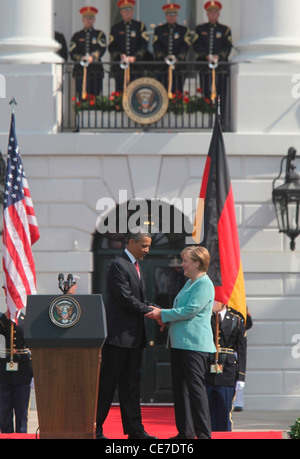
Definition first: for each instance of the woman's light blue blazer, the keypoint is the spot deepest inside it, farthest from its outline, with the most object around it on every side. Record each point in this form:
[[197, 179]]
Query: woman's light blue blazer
[[190, 319]]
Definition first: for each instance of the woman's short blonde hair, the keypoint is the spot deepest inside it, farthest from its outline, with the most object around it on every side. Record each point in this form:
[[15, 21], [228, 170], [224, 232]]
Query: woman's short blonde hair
[[197, 253]]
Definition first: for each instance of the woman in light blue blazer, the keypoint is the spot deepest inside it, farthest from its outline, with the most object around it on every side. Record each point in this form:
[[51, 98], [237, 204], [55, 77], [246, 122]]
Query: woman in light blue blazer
[[191, 341]]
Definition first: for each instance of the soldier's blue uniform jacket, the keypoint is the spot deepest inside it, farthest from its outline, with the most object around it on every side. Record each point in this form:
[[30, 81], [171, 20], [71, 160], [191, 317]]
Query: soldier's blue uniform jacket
[[88, 41], [21, 354], [220, 387], [92, 42], [14, 385], [232, 343], [171, 40], [130, 38], [212, 39]]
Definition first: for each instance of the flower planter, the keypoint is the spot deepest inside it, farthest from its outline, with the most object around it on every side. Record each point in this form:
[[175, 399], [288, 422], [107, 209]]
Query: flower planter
[[187, 120], [96, 119]]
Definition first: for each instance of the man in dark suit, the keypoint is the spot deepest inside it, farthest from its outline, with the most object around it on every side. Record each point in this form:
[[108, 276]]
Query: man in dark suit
[[122, 353], [221, 383]]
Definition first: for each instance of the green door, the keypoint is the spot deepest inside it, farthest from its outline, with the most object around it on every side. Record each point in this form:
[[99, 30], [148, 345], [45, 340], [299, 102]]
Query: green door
[[164, 278]]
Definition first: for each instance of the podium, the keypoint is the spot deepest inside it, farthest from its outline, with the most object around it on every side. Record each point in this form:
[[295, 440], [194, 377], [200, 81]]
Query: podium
[[65, 334]]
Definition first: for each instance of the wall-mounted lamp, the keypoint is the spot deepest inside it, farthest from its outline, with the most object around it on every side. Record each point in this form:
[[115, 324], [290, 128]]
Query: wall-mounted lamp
[[286, 199]]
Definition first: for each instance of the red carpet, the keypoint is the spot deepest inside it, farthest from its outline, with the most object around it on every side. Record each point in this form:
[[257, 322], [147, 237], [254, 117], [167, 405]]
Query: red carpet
[[159, 421]]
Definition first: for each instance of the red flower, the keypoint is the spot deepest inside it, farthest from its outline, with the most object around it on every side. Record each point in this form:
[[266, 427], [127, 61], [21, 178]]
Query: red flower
[[115, 94]]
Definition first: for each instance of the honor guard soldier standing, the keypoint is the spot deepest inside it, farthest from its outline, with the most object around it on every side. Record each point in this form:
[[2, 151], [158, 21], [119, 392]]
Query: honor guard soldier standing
[[15, 377], [213, 44], [228, 367], [128, 43], [86, 48], [171, 43], [63, 51], [238, 403]]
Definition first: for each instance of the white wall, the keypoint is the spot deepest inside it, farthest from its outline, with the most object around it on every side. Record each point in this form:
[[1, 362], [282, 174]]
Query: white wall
[[68, 173]]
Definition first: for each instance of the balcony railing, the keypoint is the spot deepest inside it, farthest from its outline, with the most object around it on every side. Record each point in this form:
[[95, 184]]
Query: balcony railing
[[189, 108]]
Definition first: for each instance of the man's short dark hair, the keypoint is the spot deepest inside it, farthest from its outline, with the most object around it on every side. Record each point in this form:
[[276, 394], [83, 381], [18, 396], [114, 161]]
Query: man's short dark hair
[[137, 234]]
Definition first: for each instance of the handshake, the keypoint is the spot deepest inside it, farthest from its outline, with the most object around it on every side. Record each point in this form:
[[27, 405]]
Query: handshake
[[155, 314]]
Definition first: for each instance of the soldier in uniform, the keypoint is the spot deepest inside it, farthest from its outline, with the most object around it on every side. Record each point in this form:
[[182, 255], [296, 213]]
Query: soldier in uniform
[[86, 48], [238, 403], [128, 43], [171, 43], [15, 377], [213, 43], [63, 51], [229, 372]]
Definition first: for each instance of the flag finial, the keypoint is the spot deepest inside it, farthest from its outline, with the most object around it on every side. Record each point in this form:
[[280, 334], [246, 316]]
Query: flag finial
[[13, 103]]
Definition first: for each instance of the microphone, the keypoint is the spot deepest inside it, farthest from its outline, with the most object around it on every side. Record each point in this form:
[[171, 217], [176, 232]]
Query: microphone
[[70, 280], [61, 281]]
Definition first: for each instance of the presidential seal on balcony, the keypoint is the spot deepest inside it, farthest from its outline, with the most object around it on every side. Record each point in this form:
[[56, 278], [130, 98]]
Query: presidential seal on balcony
[[64, 311], [145, 100]]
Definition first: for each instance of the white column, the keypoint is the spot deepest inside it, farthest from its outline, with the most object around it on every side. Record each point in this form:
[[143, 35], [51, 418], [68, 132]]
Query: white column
[[26, 32], [267, 68], [270, 30]]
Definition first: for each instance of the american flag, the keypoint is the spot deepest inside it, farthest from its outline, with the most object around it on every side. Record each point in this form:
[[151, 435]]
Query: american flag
[[20, 231]]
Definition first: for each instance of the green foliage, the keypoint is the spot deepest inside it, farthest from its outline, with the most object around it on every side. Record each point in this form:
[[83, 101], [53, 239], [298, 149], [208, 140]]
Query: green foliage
[[180, 104], [185, 103], [101, 103], [294, 433]]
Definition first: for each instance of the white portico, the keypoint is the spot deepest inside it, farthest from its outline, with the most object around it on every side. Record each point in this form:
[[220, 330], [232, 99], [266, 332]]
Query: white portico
[[26, 35], [269, 57], [269, 31], [27, 61]]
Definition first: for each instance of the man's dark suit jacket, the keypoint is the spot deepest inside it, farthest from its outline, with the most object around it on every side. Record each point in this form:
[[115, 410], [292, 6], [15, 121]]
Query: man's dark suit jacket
[[126, 304]]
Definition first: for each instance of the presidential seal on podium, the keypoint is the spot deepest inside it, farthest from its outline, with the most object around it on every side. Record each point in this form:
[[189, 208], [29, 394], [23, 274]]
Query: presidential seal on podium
[[64, 311], [145, 100]]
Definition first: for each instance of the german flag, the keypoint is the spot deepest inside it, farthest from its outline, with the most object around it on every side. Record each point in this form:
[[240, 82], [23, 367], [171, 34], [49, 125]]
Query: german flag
[[220, 227]]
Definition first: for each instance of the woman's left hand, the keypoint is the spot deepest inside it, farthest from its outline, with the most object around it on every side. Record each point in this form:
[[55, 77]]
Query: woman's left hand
[[154, 314]]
